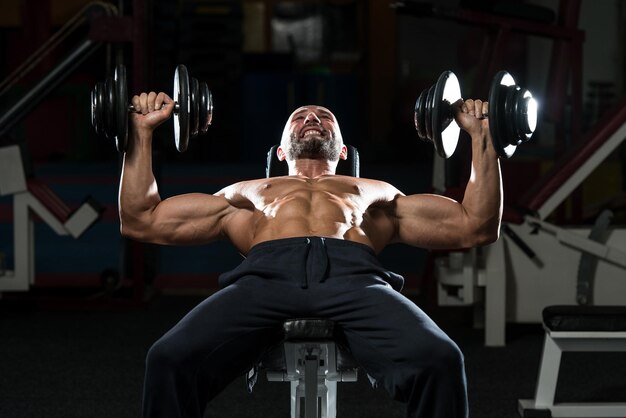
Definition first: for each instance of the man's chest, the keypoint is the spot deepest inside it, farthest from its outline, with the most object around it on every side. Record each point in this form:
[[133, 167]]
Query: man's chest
[[266, 192]]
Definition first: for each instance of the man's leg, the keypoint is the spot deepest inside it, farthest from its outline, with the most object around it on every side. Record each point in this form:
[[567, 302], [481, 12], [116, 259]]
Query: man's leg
[[400, 347], [217, 341]]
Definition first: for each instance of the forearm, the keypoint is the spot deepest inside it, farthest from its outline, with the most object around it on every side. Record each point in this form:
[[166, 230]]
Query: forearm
[[138, 194], [482, 201]]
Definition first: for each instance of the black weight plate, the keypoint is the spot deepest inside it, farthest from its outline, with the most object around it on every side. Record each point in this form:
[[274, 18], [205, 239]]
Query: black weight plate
[[525, 115], [510, 111], [420, 114], [497, 113], [445, 130], [121, 108], [206, 108], [96, 108], [181, 118], [109, 111], [203, 107], [428, 113], [94, 104], [194, 106]]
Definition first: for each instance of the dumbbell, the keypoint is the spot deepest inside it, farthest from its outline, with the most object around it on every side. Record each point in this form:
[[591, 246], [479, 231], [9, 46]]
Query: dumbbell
[[193, 108], [512, 114]]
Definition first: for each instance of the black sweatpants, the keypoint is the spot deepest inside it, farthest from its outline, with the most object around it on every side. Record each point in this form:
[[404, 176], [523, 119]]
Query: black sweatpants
[[222, 338]]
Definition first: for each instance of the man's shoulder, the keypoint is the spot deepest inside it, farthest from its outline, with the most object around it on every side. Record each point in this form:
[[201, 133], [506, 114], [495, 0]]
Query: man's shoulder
[[373, 189], [378, 184], [250, 182], [359, 181], [238, 187]]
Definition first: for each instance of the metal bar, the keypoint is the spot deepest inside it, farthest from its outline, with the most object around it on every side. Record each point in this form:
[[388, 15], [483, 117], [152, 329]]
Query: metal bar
[[465, 16], [26, 103], [37, 56], [310, 386], [589, 410], [548, 373], [87, 12], [604, 252]]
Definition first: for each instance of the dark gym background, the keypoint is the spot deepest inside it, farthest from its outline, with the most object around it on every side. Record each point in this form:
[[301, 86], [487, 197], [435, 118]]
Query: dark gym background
[[74, 345]]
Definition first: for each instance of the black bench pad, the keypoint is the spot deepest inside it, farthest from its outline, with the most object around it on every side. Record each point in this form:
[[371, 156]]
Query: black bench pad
[[309, 329], [585, 318]]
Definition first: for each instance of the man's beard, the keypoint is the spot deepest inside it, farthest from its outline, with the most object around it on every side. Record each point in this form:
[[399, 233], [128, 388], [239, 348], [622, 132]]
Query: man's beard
[[313, 148]]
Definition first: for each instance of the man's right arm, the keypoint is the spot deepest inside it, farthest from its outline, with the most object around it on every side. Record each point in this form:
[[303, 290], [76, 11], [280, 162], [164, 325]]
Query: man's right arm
[[436, 222], [185, 219]]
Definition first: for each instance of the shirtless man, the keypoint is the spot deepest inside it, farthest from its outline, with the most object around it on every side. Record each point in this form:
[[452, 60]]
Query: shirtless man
[[310, 241]]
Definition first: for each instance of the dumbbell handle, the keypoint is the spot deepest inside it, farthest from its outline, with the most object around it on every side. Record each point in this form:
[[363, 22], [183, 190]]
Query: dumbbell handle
[[485, 115], [131, 108]]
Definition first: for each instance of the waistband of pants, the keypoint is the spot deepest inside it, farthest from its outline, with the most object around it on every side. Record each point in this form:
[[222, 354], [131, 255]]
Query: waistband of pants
[[330, 242]]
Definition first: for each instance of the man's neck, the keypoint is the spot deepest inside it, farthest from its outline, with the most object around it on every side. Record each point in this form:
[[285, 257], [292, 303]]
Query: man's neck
[[311, 168]]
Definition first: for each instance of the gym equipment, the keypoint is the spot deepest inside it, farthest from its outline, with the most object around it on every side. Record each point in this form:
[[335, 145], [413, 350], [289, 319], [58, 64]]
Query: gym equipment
[[33, 199], [575, 328], [193, 108], [312, 361], [513, 114]]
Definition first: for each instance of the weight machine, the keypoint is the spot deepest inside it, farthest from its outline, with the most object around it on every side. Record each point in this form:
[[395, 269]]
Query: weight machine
[[32, 197]]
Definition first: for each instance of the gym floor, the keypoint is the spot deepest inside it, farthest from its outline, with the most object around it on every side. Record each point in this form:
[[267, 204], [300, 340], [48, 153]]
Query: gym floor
[[90, 364]]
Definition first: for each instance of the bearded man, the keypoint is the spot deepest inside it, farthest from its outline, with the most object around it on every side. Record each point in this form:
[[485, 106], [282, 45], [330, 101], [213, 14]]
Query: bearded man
[[310, 240]]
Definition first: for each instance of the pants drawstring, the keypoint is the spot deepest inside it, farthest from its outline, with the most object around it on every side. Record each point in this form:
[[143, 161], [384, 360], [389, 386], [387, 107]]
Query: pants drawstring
[[315, 262], [304, 279], [324, 262]]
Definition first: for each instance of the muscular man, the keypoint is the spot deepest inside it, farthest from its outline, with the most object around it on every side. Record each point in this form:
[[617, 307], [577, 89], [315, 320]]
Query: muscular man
[[310, 241]]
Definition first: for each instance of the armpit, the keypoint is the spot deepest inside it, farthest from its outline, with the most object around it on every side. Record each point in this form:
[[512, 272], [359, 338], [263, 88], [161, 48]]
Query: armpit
[[380, 222]]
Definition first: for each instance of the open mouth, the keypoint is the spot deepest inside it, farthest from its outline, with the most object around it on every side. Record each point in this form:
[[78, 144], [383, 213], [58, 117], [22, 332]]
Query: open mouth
[[311, 132]]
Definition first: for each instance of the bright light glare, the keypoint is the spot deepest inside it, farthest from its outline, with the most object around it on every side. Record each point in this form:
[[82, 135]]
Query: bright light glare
[[531, 113], [452, 89], [507, 80]]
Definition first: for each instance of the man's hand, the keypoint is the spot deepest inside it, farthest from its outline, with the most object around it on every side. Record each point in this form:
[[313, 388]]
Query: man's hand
[[154, 110], [470, 115]]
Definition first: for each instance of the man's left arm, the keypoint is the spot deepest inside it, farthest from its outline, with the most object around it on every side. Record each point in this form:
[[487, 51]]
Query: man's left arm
[[437, 222]]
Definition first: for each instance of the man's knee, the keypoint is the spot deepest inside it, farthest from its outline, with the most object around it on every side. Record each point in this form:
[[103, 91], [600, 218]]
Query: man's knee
[[436, 366], [447, 357], [166, 353], [440, 356]]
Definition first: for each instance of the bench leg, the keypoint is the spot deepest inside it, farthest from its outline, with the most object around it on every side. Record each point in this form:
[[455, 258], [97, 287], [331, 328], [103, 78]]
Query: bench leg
[[329, 400], [548, 373], [310, 386], [312, 371], [295, 399]]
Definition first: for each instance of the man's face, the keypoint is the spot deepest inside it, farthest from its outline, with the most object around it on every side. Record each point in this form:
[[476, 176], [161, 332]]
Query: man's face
[[312, 132]]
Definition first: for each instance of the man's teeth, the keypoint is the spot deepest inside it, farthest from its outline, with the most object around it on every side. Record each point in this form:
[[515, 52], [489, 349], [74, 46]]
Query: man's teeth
[[312, 132]]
